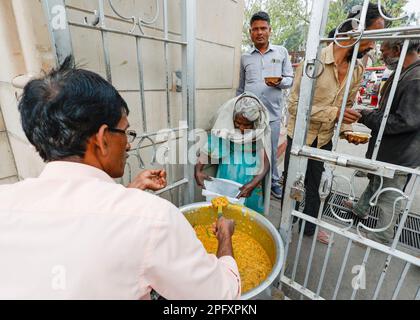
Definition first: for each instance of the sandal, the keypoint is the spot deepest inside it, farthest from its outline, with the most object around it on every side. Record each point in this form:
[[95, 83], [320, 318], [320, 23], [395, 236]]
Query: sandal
[[350, 205]]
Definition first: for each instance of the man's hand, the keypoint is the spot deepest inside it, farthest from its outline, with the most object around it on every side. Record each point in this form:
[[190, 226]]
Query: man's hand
[[350, 116], [200, 176], [149, 179], [246, 190], [223, 228]]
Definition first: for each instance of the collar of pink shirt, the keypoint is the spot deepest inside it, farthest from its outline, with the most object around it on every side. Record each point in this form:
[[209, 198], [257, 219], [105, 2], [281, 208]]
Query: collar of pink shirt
[[73, 170]]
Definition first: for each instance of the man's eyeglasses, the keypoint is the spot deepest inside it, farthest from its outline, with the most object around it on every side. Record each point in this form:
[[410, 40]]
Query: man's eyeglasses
[[131, 134]]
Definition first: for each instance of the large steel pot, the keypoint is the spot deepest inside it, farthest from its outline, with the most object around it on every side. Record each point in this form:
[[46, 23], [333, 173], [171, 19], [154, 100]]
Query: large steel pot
[[253, 224]]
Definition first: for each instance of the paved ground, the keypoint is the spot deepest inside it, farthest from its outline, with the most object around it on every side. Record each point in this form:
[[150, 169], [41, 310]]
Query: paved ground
[[373, 269], [374, 266]]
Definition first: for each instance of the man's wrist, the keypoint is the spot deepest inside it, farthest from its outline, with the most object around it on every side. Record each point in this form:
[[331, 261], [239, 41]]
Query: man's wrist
[[224, 237], [138, 185], [225, 245]]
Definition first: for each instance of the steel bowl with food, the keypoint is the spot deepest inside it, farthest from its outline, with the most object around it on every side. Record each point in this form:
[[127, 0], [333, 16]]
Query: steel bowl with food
[[248, 223]]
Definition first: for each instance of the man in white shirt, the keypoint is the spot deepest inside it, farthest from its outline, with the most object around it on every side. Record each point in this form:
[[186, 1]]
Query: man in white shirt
[[73, 233]]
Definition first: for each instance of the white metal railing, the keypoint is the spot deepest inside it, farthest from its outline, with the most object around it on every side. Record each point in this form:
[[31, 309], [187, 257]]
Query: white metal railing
[[97, 20], [300, 153]]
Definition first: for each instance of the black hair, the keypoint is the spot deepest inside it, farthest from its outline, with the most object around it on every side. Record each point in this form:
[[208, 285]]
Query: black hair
[[261, 15], [331, 33], [61, 110], [371, 15]]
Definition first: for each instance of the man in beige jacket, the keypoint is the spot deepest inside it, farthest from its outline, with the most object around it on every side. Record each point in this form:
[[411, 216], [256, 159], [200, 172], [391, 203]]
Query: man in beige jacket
[[326, 104]]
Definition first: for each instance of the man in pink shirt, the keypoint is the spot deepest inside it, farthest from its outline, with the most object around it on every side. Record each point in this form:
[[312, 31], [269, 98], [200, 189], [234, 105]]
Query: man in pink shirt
[[73, 233]]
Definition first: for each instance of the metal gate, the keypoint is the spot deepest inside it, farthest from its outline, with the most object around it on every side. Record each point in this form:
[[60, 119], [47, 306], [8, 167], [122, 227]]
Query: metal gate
[[308, 281], [105, 17]]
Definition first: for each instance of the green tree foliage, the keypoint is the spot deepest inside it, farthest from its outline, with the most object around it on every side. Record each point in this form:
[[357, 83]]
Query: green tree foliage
[[289, 21], [290, 18], [339, 9]]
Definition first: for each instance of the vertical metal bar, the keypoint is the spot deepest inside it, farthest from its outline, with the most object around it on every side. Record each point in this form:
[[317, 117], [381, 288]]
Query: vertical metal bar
[[166, 53], [343, 266], [324, 17], [417, 297], [416, 234], [288, 238], [409, 223], [183, 157], [296, 164], [382, 277], [59, 33], [390, 98], [324, 266], [365, 258], [105, 41], [295, 264], [350, 77], [406, 210], [311, 255], [141, 83], [321, 208], [188, 53], [191, 16], [169, 167], [179, 196], [410, 234], [185, 114], [401, 280]]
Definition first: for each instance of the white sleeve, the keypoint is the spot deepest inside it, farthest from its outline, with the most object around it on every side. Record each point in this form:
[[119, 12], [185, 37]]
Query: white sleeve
[[180, 268]]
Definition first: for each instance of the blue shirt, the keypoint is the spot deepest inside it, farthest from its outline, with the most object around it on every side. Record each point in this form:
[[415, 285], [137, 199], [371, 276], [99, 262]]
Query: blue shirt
[[255, 66]]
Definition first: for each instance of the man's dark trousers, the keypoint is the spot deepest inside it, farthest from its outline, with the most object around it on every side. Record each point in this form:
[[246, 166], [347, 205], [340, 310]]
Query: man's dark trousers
[[313, 176]]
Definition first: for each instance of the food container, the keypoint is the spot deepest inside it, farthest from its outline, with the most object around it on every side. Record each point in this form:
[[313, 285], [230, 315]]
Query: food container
[[255, 225], [217, 187], [357, 137], [272, 80]]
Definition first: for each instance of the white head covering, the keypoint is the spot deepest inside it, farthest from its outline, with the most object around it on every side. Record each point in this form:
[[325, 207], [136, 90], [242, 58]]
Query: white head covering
[[248, 107], [251, 107]]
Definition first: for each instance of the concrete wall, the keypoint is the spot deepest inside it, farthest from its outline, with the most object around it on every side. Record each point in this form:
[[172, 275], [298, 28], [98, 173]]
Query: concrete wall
[[218, 54], [218, 33], [8, 172], [21, 158], [10, 53]]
